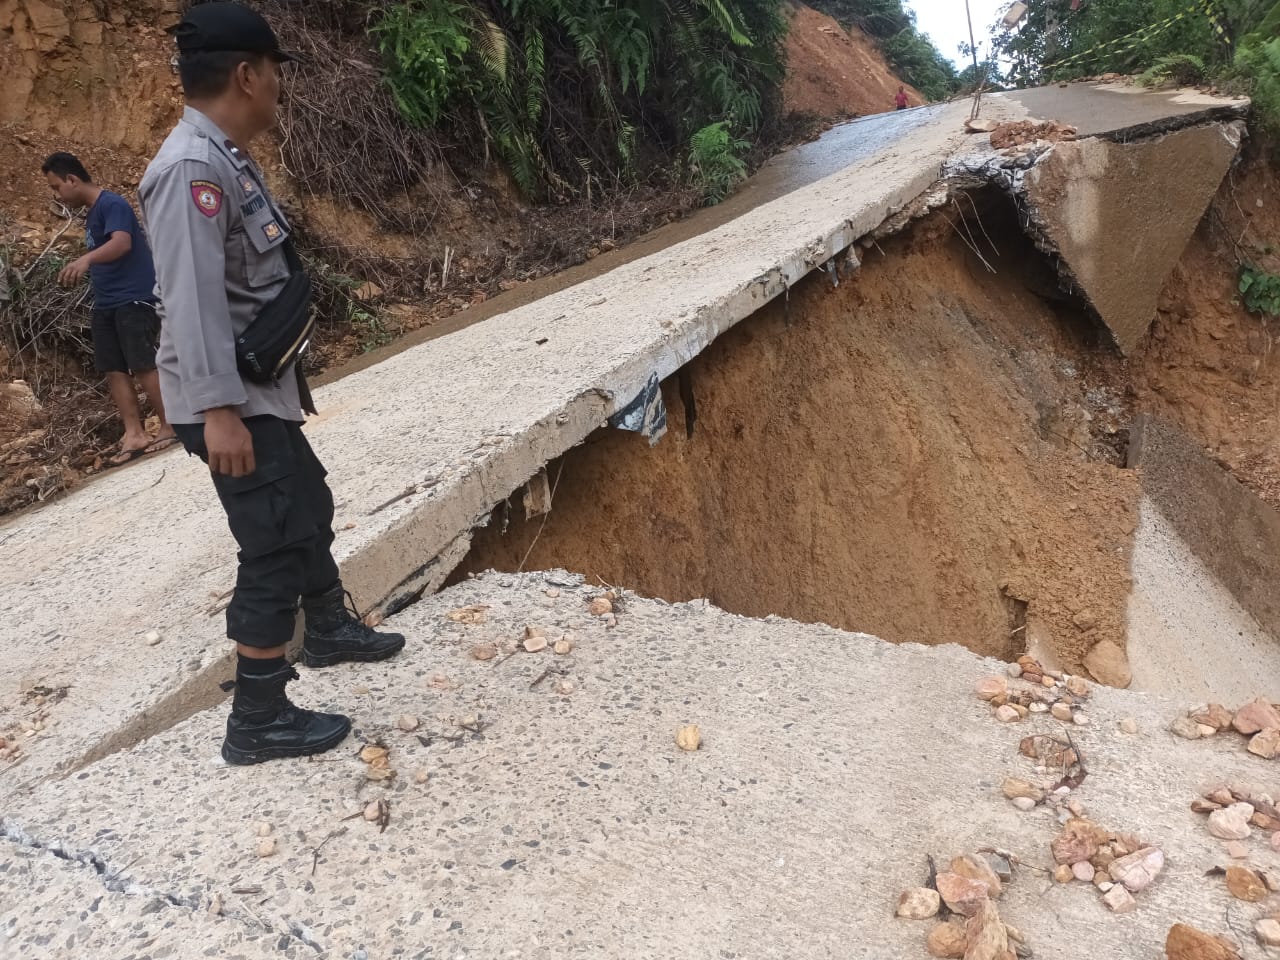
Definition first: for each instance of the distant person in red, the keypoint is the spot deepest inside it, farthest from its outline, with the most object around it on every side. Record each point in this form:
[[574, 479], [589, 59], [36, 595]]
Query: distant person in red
[[901, 98]]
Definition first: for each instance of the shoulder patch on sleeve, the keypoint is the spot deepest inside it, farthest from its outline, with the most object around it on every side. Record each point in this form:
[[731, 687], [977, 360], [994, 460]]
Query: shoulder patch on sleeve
[[207, 196]]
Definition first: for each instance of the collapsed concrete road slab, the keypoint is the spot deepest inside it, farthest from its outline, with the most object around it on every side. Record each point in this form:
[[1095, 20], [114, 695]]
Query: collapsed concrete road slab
[[1123, 111], [541, 806], [1119, 214], [419, 448]]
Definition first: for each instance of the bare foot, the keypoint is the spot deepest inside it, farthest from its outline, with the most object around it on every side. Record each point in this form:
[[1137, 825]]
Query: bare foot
[[162, 442]]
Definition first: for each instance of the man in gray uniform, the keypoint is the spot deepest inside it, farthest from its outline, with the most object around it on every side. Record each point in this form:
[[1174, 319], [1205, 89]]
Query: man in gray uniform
[[222, 252]]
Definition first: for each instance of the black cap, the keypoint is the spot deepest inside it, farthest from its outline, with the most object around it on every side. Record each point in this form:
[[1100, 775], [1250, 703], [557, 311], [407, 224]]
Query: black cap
[[227, 26]]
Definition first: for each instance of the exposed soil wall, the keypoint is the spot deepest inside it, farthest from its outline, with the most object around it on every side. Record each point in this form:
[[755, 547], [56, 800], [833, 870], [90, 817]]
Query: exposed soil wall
[[914, 454]]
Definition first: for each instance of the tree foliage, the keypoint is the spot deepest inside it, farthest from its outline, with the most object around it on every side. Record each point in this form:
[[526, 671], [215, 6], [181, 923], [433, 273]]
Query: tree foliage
[[1125, 36], [567, 91], [1180, 41]]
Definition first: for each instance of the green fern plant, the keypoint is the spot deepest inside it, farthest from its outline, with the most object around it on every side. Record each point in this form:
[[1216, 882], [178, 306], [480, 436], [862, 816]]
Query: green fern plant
[[715, 158], [426, 44], [563, 90], [1184, 69]]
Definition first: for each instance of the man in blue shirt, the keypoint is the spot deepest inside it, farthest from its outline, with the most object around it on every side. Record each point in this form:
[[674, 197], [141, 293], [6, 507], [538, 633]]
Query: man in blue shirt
[[124, 321]]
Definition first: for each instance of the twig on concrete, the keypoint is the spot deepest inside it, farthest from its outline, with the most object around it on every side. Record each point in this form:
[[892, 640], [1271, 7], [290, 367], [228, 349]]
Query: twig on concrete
[[315, 854], [117, 874], [402, 495], [245, 905], [16, 763], [498, 663], [540, 677]]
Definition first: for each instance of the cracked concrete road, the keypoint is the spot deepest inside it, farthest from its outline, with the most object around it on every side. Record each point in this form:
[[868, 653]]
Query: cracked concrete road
[[571, 825], [1121, 110]]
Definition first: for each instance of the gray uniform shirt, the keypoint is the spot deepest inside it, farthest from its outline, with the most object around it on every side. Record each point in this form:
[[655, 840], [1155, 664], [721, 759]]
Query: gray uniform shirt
[[217, 238]]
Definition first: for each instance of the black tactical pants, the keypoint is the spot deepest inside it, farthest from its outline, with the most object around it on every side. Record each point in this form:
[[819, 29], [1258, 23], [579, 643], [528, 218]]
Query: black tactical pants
[[282, 517]]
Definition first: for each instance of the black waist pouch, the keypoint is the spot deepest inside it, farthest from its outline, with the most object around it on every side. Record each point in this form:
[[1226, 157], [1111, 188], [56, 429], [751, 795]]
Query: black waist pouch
[[281, 330]]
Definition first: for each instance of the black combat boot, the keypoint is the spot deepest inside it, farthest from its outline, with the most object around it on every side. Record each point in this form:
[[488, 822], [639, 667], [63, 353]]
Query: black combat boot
[[334, 635], [264, 725]]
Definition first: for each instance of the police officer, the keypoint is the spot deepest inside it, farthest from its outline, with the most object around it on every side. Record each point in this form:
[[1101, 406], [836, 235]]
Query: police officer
[[220, 252]]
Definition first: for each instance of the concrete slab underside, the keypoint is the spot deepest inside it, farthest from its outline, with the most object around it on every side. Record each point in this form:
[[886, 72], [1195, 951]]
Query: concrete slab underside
[[1120, 215], [572, 826]]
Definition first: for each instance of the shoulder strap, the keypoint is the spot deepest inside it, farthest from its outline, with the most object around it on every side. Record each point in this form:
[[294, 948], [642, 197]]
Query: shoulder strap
[[291, 256]]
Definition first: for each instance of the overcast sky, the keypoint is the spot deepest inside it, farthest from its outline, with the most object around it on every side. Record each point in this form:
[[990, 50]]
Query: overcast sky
[[945, 23]]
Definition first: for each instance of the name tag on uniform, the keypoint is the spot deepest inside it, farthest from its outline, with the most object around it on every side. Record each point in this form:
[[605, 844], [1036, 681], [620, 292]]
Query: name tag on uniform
[[253, 205]]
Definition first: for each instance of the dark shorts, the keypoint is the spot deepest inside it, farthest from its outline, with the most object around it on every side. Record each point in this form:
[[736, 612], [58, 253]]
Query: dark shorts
[[125, 338]]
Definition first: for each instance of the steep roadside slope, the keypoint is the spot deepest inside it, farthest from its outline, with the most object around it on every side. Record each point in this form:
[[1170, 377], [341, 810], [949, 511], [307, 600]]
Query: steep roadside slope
[[834, 72]]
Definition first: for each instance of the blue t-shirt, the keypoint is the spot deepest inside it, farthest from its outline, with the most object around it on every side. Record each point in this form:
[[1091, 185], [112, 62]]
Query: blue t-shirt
[[133, 276]]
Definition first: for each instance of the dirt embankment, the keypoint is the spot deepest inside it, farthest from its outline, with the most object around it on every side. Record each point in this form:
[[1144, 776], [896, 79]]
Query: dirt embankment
[[834, 72], [926, 453]]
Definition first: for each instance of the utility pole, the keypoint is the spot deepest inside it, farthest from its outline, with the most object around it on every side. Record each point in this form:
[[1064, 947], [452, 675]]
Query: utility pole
[[973, 49]]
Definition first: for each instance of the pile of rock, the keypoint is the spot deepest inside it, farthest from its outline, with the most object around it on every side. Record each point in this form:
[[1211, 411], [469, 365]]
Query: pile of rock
[[1117, 864], [1036, 690], [1258, 719], [964, 895], [1024, 132], [1234, 813], [1050, 754]]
